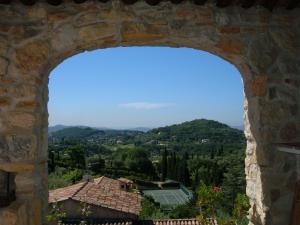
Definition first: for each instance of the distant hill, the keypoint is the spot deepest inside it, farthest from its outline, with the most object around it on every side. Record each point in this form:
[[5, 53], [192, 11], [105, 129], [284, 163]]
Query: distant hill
[[240, 127], [142, 129], [192, 136], [76, 132], [79, 132], [56, 128], [198, 131]]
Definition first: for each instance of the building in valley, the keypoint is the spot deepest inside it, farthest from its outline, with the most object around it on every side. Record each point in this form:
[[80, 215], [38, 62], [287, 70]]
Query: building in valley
[[107, 198]]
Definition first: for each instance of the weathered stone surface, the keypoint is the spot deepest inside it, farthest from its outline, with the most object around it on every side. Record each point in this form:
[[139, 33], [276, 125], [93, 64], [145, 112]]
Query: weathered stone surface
[[3, 66], [263, 45], [16, 167], [97, 32], [142, 32], [229, 30], [22, 120], [27, 105], [3, 46], [289, 132], [64, 38], [21, 148], [231, 46], [4, 102], [259, 86], [15, 214], [4, 151], [32, 57], [262, 53]]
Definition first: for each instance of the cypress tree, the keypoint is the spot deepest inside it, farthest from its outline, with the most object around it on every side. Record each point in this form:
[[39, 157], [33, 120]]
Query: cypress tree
[[164, 165]]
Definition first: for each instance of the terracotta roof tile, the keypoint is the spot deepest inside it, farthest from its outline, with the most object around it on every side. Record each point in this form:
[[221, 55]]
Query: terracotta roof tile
[[62, 194], [149, 222], [104, 191]]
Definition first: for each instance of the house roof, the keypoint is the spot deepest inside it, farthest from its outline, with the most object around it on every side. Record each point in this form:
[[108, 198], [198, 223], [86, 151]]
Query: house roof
[[149, 222], [270, 4], [125, 180], [103, 191]]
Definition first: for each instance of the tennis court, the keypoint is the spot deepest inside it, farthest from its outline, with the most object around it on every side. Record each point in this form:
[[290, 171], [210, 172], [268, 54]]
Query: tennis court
[[169, 198]]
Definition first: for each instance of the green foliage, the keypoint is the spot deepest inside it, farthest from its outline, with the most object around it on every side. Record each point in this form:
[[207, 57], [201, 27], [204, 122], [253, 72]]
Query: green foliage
[[75, 133], [198, 130], [208, 200], [234, 182], [164, 165], [151, 210], [96, 164], [241, 208], [184, 211], [76, 157], [199, 152], [135, 159], [84, 209], [56, 213], [63, 177], [175, 167]]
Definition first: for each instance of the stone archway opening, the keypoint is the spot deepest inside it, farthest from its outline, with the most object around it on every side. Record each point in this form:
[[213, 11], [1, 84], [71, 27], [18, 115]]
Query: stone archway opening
[[263, 45], [86, 60], [72, 68]]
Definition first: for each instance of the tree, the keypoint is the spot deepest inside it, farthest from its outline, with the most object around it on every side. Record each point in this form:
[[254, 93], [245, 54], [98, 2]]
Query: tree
[[184, 211], [150, 210], [51, 162], [76, 157], [241, 207], [164, 165], [209, 202], [96, 164], [234, 183], [137, 160]]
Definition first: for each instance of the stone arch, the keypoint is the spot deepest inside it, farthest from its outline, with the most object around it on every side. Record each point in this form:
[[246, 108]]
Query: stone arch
[[263, 45]]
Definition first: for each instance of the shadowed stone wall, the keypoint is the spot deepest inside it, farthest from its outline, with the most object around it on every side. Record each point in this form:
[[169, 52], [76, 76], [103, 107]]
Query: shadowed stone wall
[[263, 45]]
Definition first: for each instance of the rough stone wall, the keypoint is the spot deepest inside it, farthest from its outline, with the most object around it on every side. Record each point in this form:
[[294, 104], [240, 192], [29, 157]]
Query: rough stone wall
[[263, 45]]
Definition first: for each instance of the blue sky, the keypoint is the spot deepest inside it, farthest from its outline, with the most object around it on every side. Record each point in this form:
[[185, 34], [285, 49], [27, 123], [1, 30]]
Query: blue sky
[[144, 87]]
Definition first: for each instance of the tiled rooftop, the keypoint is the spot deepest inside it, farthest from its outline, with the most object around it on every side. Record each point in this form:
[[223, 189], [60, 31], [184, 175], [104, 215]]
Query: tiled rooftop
[[104, 192], [148, 222]]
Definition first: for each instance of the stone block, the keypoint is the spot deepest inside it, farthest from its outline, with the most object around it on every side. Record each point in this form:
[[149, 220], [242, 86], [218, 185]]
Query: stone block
[[22, 120], [142, 32], [231, 46], [259, 86], [96, 32], [15, 214], [32, 56], [3, 65], [289, 132], [262, 53], [21, 148]]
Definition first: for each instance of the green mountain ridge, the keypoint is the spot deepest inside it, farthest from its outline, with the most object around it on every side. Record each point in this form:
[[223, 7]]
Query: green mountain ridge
[[199, 130], [185, 136]]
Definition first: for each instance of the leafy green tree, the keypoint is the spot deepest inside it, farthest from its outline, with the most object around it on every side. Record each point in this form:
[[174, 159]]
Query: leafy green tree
[[234, 183], [151, 210], [164, 165], [96, 164], [241, 207], [208, 201], [51, 161], [137, 160], [184, 211], [76, 157]]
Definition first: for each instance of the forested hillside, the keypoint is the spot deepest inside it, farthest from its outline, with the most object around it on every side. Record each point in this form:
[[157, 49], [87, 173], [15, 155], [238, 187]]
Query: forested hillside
[[195, 153]]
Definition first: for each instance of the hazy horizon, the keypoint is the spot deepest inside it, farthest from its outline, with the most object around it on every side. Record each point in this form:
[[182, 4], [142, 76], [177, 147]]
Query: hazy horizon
[[132, 127], [129, 87]]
